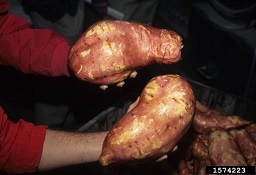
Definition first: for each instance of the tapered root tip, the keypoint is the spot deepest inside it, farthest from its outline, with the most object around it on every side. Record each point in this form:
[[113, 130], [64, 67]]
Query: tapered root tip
[[105, 160]]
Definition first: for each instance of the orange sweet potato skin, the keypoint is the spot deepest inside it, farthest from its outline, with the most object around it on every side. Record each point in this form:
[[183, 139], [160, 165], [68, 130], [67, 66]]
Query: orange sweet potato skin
[[223, 150], [155, 125], [207, 120], [246, 144], [109, 51]]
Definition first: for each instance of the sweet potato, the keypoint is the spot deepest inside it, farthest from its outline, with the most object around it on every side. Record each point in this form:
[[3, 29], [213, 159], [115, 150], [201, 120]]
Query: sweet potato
[[207, 120], [246, 144], [223, 150], [199, 166], [185, 167], [200, 147], [155, 125], [110, 50], [197, 153], [251, 129]]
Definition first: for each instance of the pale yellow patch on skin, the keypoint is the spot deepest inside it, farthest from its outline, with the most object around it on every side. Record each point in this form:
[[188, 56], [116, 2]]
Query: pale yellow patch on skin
[[151, 88], [119, 67], [143, 154], [221, 136], [85, 53], [90, 75], [143, 117], [107, 47], [181, 105], [129, 134], [103, 68], [101, 29], [163, 110], [151, 120], [111, 48], [228, 155], [157, 144]]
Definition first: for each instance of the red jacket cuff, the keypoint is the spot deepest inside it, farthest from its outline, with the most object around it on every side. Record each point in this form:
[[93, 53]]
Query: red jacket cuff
[[21, 145], [60, 67]]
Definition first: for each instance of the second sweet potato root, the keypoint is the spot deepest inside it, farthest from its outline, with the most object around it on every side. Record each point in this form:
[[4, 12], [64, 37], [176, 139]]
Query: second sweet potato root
[[110, 51]]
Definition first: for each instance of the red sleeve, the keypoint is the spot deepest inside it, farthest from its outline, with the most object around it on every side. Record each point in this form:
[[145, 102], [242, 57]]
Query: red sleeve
[[21, 145], [32, 51]]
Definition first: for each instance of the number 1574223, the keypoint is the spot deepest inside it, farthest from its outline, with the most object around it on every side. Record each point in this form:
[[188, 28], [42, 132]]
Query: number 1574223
[[230, 169]]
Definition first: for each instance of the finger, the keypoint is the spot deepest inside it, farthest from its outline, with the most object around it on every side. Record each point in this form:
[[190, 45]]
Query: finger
[[133, 104], [175, 148], [162, 158]]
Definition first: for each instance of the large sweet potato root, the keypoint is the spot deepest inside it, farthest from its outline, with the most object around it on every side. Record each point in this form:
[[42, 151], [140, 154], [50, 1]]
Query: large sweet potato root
[[109, 51], [155, 125]]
